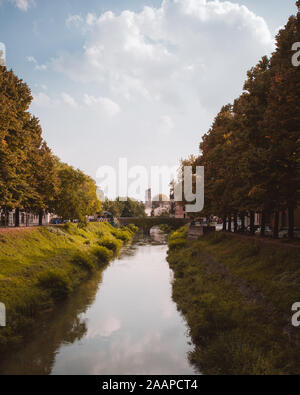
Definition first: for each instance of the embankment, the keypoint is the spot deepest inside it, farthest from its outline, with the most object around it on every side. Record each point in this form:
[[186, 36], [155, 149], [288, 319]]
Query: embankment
[[41, 266], [236, 295]]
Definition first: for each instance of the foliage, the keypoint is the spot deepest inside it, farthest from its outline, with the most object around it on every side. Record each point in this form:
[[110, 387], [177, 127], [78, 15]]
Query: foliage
[[56, 282], [103, 254], [28, 255], [128, 208], [251, 152], [236, 298], [83, 260], [110, 243], [31, 178]]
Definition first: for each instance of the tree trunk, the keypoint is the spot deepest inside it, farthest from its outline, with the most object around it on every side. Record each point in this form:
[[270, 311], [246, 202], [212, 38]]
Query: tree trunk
[[263, 224], [229, 223], [291, 222], [17, 217], [235, 223], [242, 216], [41, 214], [252, 219], [276, 224], [224, 224]]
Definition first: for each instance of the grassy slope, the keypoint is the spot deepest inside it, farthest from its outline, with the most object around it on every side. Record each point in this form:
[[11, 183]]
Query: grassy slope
[[26, 255], [236, 296]]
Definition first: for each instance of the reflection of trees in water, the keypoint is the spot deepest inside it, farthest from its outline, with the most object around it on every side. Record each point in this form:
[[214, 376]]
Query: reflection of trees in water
[[62, 326]]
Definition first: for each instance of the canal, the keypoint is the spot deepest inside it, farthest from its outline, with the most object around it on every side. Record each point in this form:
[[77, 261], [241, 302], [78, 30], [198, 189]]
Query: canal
[[122, 321]]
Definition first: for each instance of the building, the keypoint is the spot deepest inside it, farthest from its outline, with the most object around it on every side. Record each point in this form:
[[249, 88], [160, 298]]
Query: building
[[148, 202], [25, 219]]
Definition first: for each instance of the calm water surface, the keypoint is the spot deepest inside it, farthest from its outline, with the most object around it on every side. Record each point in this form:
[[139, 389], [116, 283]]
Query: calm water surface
[[123, 322]]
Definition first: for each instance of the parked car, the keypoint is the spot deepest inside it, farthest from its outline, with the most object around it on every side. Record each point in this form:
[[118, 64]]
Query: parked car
[[284, 233], [55, 221], [268, 231], [255, 228]]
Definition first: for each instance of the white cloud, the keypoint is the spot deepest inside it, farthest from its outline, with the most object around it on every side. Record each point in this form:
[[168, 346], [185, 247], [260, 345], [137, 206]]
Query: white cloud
[[182, 51], [103, 103], [74, 20], [40, 67], [41, 99], [68, 99], [162, 70], [166, 124], [23, 5]]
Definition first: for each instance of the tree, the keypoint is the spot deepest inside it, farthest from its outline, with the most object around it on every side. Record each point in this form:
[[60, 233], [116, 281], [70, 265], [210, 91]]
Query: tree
[[77, 194], [282, 119]]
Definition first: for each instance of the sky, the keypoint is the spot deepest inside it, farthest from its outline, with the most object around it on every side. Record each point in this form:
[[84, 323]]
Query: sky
[[135, 79]]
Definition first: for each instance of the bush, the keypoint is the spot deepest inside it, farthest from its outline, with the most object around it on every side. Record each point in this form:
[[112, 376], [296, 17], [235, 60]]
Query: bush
[[132, 228], [122, 234], [103, 254], [181, 233], [110, 243], [176, 244], [166, 228], [71, 228], [56, 282], [84, 261]]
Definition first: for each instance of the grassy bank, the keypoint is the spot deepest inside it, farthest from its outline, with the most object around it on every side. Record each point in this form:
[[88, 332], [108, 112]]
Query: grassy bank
[[236, 296], [39, 267]]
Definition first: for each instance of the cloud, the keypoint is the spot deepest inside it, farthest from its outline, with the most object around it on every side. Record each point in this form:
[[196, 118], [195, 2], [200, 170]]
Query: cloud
[[41, 99], [23, 5], [68, 99], [141, 76], [185, 49], [40, 67], [166, 124], [74, 20], [103, 103]]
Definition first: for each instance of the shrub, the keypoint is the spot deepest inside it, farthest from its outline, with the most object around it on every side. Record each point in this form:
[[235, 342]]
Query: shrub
[[181, 233], [132, 228], [103, 254], [122, 234], [166, 228], [56, 282], [71, 228], [176, 244], [110, 243], [84, 261]]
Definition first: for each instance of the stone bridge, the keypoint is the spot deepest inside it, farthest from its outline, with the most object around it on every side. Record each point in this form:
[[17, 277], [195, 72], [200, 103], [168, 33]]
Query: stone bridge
[[147, 223]]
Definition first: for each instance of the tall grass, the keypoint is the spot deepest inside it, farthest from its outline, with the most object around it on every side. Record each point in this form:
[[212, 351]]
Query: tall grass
[[236, 296], [41, 265]]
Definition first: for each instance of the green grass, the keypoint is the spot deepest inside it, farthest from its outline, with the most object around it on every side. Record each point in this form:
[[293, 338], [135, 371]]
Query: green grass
[[40, 266], [236, 296]]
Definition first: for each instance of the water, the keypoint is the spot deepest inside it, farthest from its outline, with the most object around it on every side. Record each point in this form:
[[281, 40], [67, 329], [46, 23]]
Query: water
[[123, 322]]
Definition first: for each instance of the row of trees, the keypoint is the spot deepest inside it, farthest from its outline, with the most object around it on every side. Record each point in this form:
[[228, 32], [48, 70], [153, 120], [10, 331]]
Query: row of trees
[[32, 179], [251, 153], [120, 208]]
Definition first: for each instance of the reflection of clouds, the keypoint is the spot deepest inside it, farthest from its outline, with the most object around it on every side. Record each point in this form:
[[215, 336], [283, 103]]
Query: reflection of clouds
[[104, 328], [167, 308], [149, 355], [133, 325]]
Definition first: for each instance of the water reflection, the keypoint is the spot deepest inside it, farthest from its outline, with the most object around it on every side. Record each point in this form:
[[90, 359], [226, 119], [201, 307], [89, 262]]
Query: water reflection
[[128, 325]]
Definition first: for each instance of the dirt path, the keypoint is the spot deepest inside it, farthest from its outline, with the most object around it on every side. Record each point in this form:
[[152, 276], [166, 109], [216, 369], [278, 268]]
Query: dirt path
[[277, 243]]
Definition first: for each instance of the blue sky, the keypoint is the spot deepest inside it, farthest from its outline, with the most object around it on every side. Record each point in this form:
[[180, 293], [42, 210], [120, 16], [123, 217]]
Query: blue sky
[[143, 84]]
